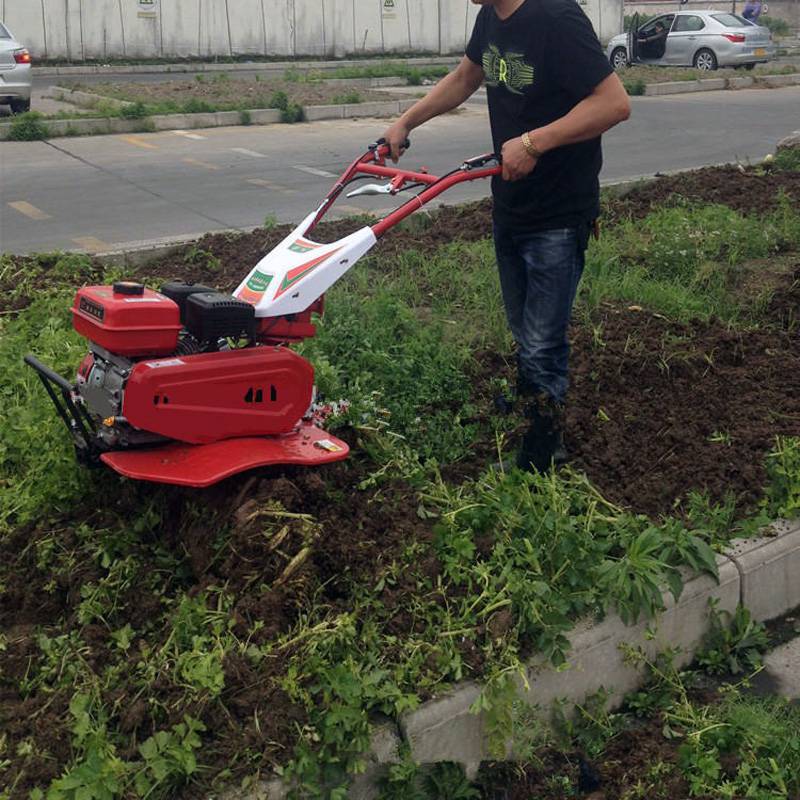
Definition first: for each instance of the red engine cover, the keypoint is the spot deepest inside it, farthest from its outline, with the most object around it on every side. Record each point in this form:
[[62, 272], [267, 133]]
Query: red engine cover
[[127, 325], [255, 391]]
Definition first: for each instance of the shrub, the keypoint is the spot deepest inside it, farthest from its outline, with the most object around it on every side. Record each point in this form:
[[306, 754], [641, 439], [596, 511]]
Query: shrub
[[347, 98], [292, 113], [788, 159], [778, 26], [279, 100], [195, 106], [136, 110], [637, 86], [245, 117], [28, 127]]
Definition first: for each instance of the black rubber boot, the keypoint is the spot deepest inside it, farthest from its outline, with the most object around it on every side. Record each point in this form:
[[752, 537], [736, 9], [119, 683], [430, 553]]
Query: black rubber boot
[[543, 442]]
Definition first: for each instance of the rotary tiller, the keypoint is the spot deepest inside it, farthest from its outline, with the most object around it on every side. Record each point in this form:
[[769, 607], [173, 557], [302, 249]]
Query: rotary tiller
[[188, 386]]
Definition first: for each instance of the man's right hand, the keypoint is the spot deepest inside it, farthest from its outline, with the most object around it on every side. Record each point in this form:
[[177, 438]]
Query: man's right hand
[[395, 136]]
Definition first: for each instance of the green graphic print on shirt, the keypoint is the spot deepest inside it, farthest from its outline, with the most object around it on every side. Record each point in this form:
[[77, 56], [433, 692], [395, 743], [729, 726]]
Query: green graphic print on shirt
[[509, 69]]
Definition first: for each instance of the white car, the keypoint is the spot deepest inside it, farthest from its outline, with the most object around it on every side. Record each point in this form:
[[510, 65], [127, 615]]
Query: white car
[[702, 39], [15, 73]]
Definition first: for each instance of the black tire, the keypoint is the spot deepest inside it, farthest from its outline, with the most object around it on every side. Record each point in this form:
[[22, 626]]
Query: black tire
[[20, 106], [619, 58], [750, 66], [705, 59]]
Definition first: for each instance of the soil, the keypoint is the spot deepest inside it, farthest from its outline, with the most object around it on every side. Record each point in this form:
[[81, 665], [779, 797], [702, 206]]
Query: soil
[[235, 93], [657, 409], [625, 763], [749, 191]]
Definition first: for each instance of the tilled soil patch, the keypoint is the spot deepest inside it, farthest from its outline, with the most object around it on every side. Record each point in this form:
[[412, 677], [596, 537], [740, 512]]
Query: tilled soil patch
[[625, 765], [749, 191], [658, 409], [350, 542]]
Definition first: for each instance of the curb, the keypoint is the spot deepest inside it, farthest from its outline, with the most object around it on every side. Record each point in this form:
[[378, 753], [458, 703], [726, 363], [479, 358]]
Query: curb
[[763, 574], [715, 84], [211, 119], [240, 66]]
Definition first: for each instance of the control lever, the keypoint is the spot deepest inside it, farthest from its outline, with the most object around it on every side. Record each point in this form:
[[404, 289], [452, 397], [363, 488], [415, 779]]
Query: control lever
[[372, 188]]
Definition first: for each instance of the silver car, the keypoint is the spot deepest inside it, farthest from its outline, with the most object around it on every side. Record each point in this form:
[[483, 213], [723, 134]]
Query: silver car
[[702, 39], [15, 73]]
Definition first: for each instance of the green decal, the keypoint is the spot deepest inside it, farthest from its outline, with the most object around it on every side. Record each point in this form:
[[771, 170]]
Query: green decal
[[508, 69], [299, 248], [259, 281]]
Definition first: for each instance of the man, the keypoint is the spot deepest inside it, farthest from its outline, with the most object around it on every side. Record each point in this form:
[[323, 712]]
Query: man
[[551, 94], [653, 45], [752, 11]]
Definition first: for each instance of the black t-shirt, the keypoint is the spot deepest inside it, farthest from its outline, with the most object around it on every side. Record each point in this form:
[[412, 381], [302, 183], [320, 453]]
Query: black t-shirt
[[539, 63]]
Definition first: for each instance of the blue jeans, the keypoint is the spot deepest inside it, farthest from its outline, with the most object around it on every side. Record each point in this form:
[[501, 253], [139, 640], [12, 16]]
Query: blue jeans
[[539, 275]]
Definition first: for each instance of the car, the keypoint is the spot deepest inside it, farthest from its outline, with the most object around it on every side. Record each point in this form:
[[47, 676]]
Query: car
[[15, 72], [701, 39]]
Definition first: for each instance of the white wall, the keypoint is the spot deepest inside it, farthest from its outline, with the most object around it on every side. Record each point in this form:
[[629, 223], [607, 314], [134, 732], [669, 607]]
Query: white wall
[[98, 29]]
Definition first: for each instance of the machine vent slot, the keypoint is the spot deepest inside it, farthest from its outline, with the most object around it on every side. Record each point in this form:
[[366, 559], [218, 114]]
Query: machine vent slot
[[273, 394]]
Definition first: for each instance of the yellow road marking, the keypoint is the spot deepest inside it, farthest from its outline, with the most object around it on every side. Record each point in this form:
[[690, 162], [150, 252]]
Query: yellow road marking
[[196, 163], [278, 187], [92, 245], [28, 210], [139, 142]]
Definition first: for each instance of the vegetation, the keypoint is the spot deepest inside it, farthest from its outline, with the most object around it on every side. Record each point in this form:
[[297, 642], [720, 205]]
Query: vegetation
[[28, 127], [479, 574], [778, 26]]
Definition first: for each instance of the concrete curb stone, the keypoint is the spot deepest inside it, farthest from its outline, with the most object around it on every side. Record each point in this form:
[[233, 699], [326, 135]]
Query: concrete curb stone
[[770, 571], [777, 81], [681, 87]]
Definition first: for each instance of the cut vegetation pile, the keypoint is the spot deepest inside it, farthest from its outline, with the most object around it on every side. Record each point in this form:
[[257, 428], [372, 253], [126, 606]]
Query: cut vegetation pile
[[157, 642]]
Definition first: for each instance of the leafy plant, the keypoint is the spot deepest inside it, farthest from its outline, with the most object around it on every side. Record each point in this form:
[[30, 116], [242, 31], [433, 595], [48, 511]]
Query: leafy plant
[[734, 643], [347, 98], [783, 468], [136, 110], [28, 127]]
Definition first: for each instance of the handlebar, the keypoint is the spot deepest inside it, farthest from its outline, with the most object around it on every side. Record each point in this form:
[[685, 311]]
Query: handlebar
[[373, 162]]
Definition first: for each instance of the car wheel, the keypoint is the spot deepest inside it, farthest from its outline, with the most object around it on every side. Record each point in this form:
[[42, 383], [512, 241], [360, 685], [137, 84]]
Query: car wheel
[[705, 59], [619, 58], [20, 106], [750, 66]]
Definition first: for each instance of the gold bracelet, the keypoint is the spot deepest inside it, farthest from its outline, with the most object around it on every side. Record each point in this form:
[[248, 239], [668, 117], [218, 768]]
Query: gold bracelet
[[529, 146]]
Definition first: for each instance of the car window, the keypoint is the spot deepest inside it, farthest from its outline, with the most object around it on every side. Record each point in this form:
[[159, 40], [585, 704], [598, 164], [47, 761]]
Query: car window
[[689, 22], [731, 20], [4, 34], [650, 27]]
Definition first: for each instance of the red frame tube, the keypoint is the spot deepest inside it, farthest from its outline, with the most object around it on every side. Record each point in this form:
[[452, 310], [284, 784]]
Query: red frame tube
[[373, 162]]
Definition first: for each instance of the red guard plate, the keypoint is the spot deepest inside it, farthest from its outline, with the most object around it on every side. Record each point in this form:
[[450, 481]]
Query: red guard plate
[[201, 465]]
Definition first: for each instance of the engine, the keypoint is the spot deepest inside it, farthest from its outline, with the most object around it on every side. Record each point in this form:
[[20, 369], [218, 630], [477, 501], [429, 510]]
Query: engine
[[182, 364]]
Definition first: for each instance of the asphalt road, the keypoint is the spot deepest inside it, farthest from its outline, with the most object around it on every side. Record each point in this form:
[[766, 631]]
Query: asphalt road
[[99, 193]]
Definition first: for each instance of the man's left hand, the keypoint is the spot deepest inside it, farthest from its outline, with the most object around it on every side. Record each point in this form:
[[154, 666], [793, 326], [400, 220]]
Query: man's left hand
[[517, 162]]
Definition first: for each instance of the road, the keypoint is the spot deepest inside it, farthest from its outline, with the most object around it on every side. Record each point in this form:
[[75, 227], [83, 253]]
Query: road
[[100, 193]]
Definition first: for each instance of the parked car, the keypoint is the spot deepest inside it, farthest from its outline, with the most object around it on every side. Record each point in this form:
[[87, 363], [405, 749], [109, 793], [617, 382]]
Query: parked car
[[702, 39], [15, 72]]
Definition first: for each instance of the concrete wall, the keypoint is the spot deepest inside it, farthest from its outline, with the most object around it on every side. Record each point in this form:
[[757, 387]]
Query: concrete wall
[[100, 29], [784, 9]]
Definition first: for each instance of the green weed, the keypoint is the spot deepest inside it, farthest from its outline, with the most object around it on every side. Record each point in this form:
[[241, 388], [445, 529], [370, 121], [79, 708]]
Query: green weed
[[734, 643], [28, 127], [347, 98]]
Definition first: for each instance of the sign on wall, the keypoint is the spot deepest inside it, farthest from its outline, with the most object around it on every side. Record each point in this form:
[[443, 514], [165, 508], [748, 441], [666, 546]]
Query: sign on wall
[[148, 9]]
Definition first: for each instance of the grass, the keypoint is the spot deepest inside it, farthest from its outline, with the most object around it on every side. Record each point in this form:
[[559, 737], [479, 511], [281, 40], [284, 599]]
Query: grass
[[518, 558]]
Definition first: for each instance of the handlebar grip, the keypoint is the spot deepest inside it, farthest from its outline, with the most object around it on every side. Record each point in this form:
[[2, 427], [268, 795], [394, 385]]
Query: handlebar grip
[[381, 143]]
